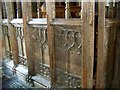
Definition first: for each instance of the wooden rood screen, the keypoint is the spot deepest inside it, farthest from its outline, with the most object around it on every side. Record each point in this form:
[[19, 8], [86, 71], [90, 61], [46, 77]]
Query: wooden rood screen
[[54, 49], [68, 52], [65, 67], [39, 43], [65, 45]]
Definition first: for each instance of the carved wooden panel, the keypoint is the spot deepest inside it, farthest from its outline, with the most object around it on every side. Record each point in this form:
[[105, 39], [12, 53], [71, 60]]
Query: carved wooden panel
[[105, 72], [40, 41], [7, 42], [68, 55], [21, 46]]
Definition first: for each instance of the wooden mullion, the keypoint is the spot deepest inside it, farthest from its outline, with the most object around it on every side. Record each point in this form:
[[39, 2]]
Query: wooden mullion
[[67, 9], [87, 43], [38, 9], [111, 9], [4, 10], [1, 34], [116, 82], [51, 42], [12, 32], [27, 16], [101, 55], [19, 12], [118, 11], [54, 12]]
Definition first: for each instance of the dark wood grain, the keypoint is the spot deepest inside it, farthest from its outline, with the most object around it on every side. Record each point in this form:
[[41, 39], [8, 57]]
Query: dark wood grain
[[27, 16], [1, 35], [88, 44], [12, 32]]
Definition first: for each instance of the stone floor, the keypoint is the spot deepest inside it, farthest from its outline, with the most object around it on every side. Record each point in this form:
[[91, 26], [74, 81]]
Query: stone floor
[[14, 79], [11, 81], [14, 83]]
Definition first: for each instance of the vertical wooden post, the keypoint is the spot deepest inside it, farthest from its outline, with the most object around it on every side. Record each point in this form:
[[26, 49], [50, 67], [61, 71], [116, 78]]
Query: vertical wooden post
[[1, 35], [118, 11], [12, 32], [19, 12], [51, 42], [100, 55], [38, 8], [116, 82], [87, 43], [27, 16], [111, 11], [53, 6], [4, 10], [3, 40], [118, 51], [67, 9], [79, 3]]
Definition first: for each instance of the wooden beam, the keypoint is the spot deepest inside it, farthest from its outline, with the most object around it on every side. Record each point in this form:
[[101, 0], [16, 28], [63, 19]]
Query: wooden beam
[[12, 32], [27, 16], [53, 7], [100, 55], [111, 9], [116, 82], [1, 35], [38, 9], [87, 43], [19, 11], [118, 11], [51, 42], [67, 9], [4, 10]]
